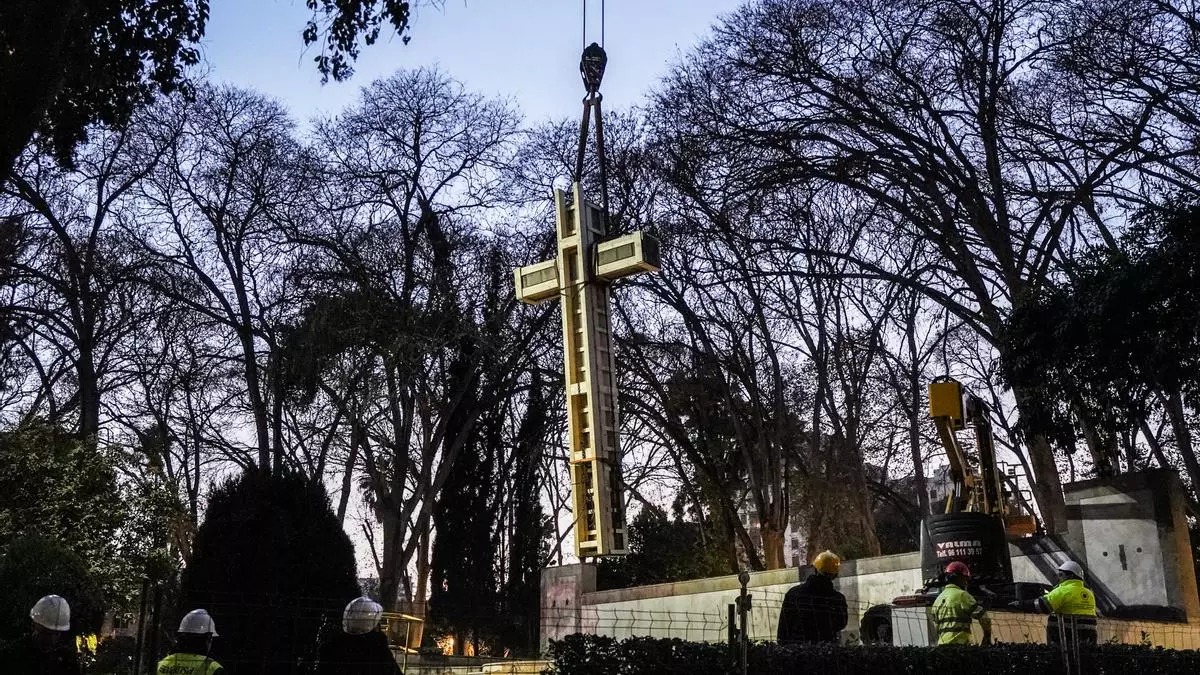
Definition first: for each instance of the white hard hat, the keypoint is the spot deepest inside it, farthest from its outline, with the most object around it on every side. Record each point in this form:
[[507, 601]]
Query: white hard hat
[[52, 612], [198, 622], [1072, 567], [361, 616]]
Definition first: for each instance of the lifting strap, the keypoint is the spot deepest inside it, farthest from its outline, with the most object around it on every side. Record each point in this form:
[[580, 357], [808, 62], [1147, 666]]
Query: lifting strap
[[591, 69]]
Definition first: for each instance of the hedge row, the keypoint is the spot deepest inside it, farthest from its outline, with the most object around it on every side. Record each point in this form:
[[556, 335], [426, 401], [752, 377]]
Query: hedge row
[[599, 655]]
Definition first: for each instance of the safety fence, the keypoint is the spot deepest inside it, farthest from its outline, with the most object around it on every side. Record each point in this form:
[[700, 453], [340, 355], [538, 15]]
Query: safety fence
[[866, 624], [876, 639], [271, 633]]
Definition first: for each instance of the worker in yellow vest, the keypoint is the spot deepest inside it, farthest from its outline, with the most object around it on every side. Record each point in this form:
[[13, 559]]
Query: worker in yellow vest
[[1071, 606], [193, 642], [954, 609], [86, 643]]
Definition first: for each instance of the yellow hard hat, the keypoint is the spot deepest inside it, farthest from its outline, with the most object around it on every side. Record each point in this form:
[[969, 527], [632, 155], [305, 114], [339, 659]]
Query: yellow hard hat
[[828, 562]]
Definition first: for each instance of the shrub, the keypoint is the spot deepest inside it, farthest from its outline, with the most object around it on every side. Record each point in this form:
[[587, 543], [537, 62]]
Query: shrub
[[593, 655], [662, 551], [114, 656], [888, 660], [31, 567], [269, 559], [581, 654]]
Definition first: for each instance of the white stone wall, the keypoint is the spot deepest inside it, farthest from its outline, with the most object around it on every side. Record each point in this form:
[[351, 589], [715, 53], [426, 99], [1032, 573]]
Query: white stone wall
[[1128, 531], [697, 610], [691, 610]]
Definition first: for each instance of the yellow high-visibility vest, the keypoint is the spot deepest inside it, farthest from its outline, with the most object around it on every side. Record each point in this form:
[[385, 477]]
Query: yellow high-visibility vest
[[952, 614], [188, 664], [1070, 598]]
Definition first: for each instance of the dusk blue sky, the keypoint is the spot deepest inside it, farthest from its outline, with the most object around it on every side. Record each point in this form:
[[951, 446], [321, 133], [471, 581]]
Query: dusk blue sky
[[526, 50]]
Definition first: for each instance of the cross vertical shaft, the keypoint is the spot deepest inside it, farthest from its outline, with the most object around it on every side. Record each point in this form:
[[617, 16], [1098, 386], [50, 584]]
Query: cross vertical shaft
[[581, 276], [590, 382]]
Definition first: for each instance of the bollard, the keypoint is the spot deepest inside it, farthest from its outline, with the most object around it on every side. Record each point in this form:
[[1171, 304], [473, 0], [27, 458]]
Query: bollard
[[743, 605], [732, 630]]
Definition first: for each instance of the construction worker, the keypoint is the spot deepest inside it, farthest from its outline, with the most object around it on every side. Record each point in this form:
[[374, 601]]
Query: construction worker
[[193, 642], [46, 649], [1071, 606], [86, 643], [814, 611], [360, 648], [954, 609]]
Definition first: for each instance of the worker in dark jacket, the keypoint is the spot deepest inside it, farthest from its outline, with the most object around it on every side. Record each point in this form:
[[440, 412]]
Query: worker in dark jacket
[[360, 648], [46, 650], [814, 611]]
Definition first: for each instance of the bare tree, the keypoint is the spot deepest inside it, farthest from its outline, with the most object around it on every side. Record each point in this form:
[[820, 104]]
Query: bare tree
[[76, 274], [953, 117], [394, 301], [217, 202]]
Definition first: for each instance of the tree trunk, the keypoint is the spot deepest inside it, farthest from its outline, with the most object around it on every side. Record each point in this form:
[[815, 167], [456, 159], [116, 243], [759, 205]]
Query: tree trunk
[[1129, 446], [1046, 483], [914, 412], [914, 450], [817, 535], [861, 517], [84, 320], [838, 514], [348, 475], [389, 577], [1102, 446], [89, 393], [1173, 403], [275, 386], [1047, 487], [772, 544], [258, 404], [418, 606]]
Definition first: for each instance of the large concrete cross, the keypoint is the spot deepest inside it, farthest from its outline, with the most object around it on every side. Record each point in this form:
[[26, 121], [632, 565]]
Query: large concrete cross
[[580, 275]]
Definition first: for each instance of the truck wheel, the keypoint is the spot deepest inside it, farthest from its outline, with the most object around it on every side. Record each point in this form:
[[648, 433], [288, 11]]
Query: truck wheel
[[876, 626]]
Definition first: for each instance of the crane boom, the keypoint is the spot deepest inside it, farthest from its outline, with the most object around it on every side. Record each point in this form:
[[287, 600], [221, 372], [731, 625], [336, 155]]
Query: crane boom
[[979, 491]]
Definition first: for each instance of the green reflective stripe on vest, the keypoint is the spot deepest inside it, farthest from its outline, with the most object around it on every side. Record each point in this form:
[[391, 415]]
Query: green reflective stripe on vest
[[952, 613], [187, 664], [1071, 598]]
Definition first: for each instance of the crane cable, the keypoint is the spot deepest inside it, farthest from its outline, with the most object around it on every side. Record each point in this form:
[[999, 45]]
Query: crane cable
[[591, 68], [585, 16]]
